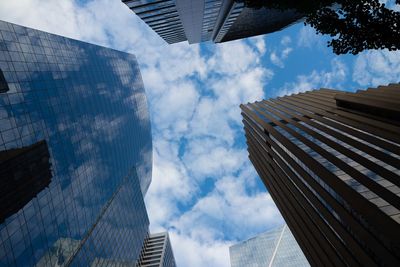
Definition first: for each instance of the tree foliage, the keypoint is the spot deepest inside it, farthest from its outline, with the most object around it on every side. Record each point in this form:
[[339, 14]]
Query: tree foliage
[[354, 25]]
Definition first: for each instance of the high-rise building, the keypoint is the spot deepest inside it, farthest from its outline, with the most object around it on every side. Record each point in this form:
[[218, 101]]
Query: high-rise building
[[209, 20], [75, 152], [157, 252], [276, 247], [331, 161]]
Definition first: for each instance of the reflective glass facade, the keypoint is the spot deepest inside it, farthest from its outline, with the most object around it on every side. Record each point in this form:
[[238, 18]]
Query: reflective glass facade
[[276, 248], [75, 151]]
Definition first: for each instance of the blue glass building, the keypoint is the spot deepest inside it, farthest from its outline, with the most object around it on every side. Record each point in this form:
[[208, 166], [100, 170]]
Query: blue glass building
[[79, 113], [277, 247]]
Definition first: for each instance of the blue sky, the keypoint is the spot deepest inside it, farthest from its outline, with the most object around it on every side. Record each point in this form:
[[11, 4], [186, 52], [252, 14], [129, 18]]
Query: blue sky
[[204, 191]]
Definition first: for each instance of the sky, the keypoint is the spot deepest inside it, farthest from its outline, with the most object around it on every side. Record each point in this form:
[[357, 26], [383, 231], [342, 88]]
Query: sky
[[205, 191]]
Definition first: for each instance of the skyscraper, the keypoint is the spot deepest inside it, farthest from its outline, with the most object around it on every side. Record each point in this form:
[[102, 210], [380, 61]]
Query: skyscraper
[[331, 161], [209, 20], [276, 247], [157, 252], [76, 139]]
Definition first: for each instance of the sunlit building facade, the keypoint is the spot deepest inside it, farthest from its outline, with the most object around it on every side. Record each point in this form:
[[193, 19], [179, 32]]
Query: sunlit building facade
[[75, 152], [331, 161], [209, 20], [274, 248], [157, 252]]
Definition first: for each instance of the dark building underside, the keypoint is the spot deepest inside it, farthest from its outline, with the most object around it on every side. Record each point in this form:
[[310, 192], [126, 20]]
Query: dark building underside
[[252, 22]]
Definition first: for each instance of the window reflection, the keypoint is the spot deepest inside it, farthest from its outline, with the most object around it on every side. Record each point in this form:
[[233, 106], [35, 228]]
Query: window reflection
[[24, 172], [3, 83]]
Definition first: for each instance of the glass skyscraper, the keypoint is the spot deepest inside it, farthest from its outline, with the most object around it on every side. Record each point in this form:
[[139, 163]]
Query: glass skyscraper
[[209, 20], [75, 152], [276, 247], [331, 161]]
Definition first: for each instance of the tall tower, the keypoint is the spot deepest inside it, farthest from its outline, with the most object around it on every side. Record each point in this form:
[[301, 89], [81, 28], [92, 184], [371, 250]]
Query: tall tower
[[157, 252], [209, 20], [331, 161], [75, 138], [274, 248]]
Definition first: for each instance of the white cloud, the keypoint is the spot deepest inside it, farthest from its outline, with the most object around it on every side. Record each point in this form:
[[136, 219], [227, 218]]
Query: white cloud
[[309, 38], [373, 68], [207, 157], [203, 153], [223, 210], [174, 107], [228, 210], [199, 254], [278, 56], [286, 40], [286, 52], [276, 60], [259, 43], [170, 184], [210, 120], [232, 58], [47, 16], [333, 78]]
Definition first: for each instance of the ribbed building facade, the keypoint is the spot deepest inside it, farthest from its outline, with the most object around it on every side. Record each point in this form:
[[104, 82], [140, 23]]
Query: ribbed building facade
[[157, 252], [162, 16], [331, 161], [274, 248], [209, 20], [75, 152]]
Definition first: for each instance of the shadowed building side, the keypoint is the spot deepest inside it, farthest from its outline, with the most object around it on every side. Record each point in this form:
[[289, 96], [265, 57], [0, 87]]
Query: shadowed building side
[[209, 20], [253, 22], [162, 16], [331, 163]]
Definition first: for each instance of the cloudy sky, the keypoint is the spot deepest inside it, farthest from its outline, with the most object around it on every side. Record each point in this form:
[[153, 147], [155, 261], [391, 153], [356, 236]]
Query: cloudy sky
[[204, 191]]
